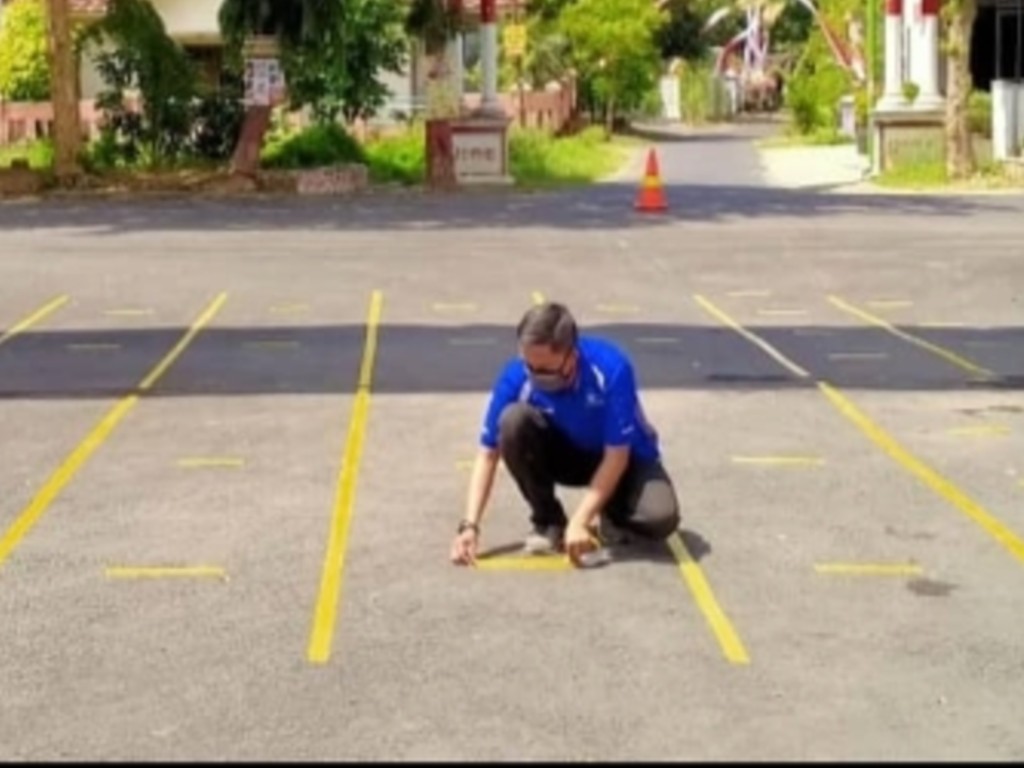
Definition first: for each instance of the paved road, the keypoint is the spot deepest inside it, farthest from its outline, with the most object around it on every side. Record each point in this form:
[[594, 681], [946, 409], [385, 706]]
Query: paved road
[[193, 404]]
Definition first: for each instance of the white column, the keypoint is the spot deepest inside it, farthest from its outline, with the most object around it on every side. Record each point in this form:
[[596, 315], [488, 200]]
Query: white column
[[489, 56], [928, 56], [453, 53], [892, 96]]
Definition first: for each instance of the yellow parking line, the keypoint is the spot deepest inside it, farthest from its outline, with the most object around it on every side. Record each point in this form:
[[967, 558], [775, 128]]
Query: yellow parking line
[[80, 455], [128, 312], [166, 572], [870, 569], [538, 297], [329, 597], [780, 460], [618, 309], [524, 563], [33, 319], [441, 306], [729, 641], [753, 338], [984, 430], [939, 484], [782, 312], [749, 294], [203, 462], [947, 355]]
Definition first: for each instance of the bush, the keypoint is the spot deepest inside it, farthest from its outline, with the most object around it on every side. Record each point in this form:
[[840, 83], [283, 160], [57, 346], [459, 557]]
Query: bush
[[696, 93], [979, 113], [39, 154], [400, 158], [537, 157], [317, 146]]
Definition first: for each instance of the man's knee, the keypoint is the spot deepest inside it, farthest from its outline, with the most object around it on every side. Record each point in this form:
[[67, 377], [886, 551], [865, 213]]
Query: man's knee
[[657, 515], [516, 425]]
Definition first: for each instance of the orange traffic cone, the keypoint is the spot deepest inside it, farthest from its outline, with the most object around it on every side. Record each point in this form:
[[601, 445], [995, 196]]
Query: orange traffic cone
[[651, 197]]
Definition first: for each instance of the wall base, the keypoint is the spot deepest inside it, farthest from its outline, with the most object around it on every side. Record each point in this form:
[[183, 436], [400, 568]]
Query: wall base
[[907, 136]]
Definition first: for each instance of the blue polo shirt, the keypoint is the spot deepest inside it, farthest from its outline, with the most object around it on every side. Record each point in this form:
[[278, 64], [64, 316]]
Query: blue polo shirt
[[602, 407]]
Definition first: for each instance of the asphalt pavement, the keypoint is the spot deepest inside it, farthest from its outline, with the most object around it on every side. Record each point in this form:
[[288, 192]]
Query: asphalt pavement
[[235, 440]]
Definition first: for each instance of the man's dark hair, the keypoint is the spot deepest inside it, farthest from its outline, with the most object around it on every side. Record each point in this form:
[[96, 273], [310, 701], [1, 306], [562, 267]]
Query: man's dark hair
[[550, 325]]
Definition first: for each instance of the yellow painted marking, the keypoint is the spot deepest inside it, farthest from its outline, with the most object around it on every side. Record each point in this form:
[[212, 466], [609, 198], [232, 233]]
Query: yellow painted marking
[[167, 572], [525, 563], [32, 319], [464, 465], [92, 347], [618, 309], [271, 344], [890, 303], [693, 575], [80, 455], [471, 342], [289, 309], [327, 603], [753, 338], [749, 294], [538, 297], [454, 307], [780, 460], [935, 349], [940, 485], [128, 312], [943, 324], [984, 430], [201, 462], [858, 356], [870, 569], [657, 340], [782, 312]]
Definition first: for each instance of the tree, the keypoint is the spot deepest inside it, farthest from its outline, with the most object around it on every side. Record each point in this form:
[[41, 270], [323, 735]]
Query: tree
[[958, 20], [341, 74], [24, 64], [613, 44], [64, 93]]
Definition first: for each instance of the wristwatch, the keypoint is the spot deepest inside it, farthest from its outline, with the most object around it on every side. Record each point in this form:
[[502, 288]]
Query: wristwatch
[[467, 525]]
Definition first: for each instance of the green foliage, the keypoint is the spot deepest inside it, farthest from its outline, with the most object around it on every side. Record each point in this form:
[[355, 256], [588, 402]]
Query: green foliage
[[317, 146], [400, 158], [538, 159], [24, 68], [696, 93], [815, 87], [38, 154], [433, 22], [340, 75], [614, 48], [137, 54], [979, 113]]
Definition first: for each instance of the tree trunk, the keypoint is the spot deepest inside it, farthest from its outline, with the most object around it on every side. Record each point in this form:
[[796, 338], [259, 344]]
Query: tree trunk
[[67, 131], [246, 159], [959, 149]]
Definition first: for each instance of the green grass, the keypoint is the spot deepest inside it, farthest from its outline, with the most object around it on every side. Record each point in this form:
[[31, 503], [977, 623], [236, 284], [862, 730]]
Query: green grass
[[537, 159], [38, 153], [398, 159], [932, 175]]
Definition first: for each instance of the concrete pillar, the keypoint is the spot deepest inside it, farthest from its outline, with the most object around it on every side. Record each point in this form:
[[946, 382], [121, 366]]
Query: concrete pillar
[[892, 96], [927, 56], [489, 103], [454, 54]]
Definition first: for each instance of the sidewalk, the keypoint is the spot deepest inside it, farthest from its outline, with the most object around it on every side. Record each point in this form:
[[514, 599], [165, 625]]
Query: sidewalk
[[826, 168]]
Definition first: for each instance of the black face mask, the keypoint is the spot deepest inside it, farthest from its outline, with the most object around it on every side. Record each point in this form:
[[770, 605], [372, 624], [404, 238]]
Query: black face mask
[[551, 380]]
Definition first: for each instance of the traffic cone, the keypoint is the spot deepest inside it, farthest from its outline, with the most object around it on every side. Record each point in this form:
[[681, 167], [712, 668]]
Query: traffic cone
[[651, 196]]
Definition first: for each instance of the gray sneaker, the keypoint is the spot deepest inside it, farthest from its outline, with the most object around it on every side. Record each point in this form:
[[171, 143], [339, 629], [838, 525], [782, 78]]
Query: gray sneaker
[[545, 541], [612, 535]]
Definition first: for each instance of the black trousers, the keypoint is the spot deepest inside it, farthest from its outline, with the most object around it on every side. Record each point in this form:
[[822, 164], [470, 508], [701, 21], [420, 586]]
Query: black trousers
[[539, 456]]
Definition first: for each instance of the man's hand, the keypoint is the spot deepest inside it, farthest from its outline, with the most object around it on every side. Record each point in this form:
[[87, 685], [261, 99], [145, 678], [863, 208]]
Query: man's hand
[[464, 548], [579, 539]]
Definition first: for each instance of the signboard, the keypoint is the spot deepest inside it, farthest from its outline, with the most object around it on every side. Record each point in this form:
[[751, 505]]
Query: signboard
[[477, 155], [514, 40], [264, 82], [671, 109]]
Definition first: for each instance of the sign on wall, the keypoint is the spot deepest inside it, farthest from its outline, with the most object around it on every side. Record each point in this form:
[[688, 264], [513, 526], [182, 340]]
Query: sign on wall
[[264, 82], [477, 154]]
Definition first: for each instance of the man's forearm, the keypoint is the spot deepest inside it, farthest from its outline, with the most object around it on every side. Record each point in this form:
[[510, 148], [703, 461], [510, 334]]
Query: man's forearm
[[480, 484], [602, 485]]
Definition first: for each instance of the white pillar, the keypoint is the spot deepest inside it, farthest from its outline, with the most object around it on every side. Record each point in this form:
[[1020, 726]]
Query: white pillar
[[455, 69], [489, 56], [927, 72], [892, 96]]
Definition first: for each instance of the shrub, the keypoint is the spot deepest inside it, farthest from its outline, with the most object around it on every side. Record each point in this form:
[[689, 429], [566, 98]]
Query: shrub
[[400, 158], [319, 145]]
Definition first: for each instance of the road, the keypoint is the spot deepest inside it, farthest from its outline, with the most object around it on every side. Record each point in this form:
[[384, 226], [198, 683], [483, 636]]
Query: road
[[234, 447]]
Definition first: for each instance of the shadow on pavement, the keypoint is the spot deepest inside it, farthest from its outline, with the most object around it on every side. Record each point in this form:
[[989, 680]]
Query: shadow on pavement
[[602, 207], [414, 359], [639, 551]]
